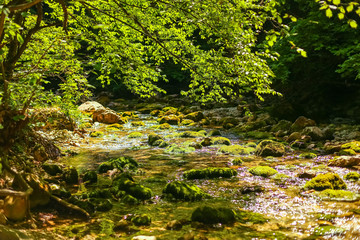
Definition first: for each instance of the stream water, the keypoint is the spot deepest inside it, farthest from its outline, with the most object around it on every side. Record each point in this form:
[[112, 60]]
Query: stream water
[[292, 213]]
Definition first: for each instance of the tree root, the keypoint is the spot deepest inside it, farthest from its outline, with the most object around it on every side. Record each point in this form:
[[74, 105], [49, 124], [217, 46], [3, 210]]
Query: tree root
[[71, 207]]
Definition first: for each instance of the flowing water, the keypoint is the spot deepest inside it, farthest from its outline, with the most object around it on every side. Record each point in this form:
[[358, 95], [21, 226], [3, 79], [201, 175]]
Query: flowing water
[[292, 213]]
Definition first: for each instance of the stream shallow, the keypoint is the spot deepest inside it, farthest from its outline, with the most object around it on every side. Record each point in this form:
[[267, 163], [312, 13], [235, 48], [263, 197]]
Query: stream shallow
[[291, 212]]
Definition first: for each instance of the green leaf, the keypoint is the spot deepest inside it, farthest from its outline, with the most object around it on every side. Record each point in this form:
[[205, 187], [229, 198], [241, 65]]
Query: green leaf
[[336, 2], [328, 13], [353, 23], [341, 16], [18, 117], [350, 8]]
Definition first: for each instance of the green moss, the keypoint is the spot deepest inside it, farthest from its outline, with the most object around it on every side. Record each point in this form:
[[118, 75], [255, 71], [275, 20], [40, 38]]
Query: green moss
[[215, 141], [280, 177], [136, 190], [354, 145], [96, 134], [141, 220], [347, 152], [195, 116], [214, 132], [210, 173], [85, 125], [210, 215], [116, 126], [137, 124], [184, 191], [176, 149], [128, 199], [135, 135], [331, 194], [170, 119], [308, 155], [263, 171], [328, 231], [190, 134], [354, 176], [258, 135], [270, 148], [90, 177], [236, 150], [119, 163], [325, 181], [237, 162], [153, 137], [187, 122], [250, 217]]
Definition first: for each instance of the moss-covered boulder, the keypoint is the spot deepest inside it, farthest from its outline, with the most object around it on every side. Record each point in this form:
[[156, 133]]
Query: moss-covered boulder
[[128, 199], [325, 181], [354, 145], [119, 163], [302, 122], [90, 177], [190, 134], [114, 127], [264, 171], [308, 155], [52, 168], [213, 133], [96, 134], [210, 173], [337, 195], [127, 184], [141, 220], [135, 135], [195, 116], [153, 137], [211, 215], [170, 119], [177, 149], [137, 124], [243, 216], [345, 161], [236, 150], [314, 132], [270, 148], [215, 141], [71, 176], [352, 176], [237, 161], [184, 191], [188, 122]]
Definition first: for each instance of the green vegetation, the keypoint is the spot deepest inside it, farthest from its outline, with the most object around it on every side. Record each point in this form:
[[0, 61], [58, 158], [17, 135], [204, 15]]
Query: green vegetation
[[210, 215], [184, 191], [342, 195], [236, 150], [119, 163], [325, 181], [354, 176], [210, 173], [263, 171]]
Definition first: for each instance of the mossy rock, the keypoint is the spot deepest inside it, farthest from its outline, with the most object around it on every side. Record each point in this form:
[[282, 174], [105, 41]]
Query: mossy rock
[[71, 176], [141, 220], [128, 199], [160, 143], [270, 148], [237, 162], [308, 155], [243, 216], [280, 177], [51, 168], [354, 145], [337, 195], [176, 149], [215, 141], [211, 215], [325, 181], [127, 184], [190, 134], [346, 152], [328, 231], [85, 125], [96, 134], [170, 119], [119, 163], [102, 205], [115, 126], [153, 137], [184, 191], [195, 116], [213, 133], [210, 173], [137, 124], [82, 203], [282, 125], [263, 171], [164, 126], [258, 135], [187, 122], [135, 135], [90, 177], [352, 176], [236, 150]]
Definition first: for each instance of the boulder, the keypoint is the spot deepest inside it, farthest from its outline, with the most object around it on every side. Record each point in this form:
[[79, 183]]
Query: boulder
[[170, 119], [345, 161], [302, 122], [215, 141], [236, 150], [141, 220], [53, 118], [15, 208], [153, 137], [270, 148], [90, 107], [210, 173], [314, 132], [325, 181], [264, 171], [195, 116], [211, 215], [108, 116], [184, 191]]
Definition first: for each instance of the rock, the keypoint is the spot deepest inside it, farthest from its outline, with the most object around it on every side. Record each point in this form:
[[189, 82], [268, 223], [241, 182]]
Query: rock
[[184, 191], [128, 199], [264, 171], [195, 116], [140, 237], [337, 195], [41, 191], [176, 224], [354, 145], [119, 163], [250, 217], [127, 184], [52, 168], [210, 172], [135, 135], [270, 148], [176, 149], [96, 134], [293, 137], [211, 215], [90, 177], [213, 133], [15, 208], [137, 124], [215, 141], [325, 181], [345, 161], [282, 125], [237, 162], [71, 176], [302, 122], [170, 119], [90, 107], [141, 220], [352, 176], [153, 137], [306, 174], [53, 118], [308, 155], [108, 116], [236, 150], [314, 132], [190, 134]]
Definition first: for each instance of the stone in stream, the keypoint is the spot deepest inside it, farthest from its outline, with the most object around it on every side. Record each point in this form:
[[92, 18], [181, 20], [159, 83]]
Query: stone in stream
[[184, 191], [211, 215], [90, 177], [263, 171], [302, 122], [127, 184], [236, 150], [325, 181], [108, 116], [153, 137], [352, 176], [195, 116], [270, 148], [141, 220], [90, 107], [210, 173], [345, 161], [215, 141]]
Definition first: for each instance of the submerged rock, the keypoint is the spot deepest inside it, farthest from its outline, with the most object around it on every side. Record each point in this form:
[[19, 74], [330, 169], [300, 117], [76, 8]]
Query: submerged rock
[[353, 176], [236, 150], [302, 122], [263, 171], [337, 195], [141, 220], [153, 137], [125, 183], [119, 163], [71, 176], [325, 181], [211, 215], [215, 141], [210, 173], [270, 148], [184, 191], [250, 217], [174, 148]]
